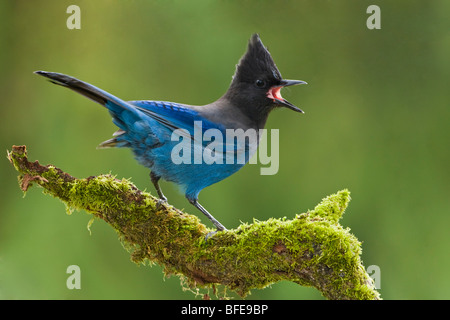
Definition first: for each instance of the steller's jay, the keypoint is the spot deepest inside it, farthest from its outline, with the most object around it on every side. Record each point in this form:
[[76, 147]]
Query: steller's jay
[[148, 127]]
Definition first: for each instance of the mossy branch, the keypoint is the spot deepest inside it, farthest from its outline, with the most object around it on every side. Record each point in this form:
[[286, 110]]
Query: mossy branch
[[312, 249]]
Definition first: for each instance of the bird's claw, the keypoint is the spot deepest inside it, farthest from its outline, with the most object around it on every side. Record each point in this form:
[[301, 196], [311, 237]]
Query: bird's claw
[[209, 235], [212, 233], [160, 202]]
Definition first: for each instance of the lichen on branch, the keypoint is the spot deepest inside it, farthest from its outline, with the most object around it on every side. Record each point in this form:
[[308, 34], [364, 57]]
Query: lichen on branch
[[312, 249]]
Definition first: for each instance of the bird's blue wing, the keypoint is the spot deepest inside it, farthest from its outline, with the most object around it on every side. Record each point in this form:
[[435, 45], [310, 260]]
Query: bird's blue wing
[[178, 116], [175, 116]]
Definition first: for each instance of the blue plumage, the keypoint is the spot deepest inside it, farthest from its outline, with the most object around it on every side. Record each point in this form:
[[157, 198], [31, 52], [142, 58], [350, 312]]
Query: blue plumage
[[158, 131]]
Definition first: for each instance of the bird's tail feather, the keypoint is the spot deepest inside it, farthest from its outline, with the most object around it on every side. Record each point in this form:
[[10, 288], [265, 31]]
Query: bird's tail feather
[[123, 112], [117, 141], [114, 104]]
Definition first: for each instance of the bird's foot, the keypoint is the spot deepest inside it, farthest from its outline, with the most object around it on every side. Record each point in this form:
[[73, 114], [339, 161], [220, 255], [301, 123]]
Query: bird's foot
[[160, 202], [212, 233], [209, 235]]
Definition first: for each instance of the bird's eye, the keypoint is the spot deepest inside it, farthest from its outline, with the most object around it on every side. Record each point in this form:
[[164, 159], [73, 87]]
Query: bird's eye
[[260, 83]]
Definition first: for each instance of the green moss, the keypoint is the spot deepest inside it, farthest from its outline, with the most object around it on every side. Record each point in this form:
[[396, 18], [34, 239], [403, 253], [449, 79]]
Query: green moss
[[332, 207], [312, 249]]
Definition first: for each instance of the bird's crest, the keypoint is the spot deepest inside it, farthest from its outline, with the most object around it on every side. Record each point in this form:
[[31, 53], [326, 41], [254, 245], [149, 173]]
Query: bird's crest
[[256, 61]]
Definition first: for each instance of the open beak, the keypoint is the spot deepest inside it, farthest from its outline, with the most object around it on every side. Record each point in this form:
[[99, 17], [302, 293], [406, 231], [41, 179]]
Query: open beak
[[275, 95]]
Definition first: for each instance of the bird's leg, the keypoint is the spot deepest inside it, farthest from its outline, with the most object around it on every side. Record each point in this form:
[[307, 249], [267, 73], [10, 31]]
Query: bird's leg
[[155, 178], [216, 223]]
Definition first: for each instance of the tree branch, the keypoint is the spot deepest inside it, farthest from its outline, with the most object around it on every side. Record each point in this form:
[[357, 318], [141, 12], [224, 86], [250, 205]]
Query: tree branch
[[312, 249]]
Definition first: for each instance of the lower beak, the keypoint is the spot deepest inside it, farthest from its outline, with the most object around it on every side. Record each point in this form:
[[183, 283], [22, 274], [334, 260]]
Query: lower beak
[[278, 99]]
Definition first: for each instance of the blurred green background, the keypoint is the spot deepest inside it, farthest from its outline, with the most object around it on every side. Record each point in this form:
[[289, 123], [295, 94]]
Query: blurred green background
[[376, 122]]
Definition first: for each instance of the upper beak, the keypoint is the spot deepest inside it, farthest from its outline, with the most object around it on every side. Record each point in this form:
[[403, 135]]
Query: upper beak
[[287, 83], [278, 99]]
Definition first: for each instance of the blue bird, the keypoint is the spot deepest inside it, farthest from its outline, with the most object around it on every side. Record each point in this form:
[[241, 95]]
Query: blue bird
[[154, 130]]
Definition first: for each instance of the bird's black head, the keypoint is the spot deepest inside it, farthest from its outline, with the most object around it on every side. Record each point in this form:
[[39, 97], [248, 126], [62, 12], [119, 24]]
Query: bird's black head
[[257, 82]]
